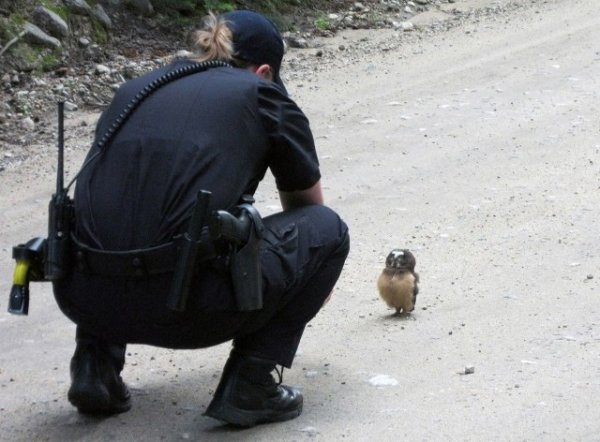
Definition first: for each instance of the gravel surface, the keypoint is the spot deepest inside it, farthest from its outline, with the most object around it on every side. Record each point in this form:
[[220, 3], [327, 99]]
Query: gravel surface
[[474, 143]]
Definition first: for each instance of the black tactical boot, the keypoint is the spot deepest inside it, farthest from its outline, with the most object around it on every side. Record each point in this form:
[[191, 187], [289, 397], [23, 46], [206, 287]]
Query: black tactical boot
[[96, 386], [248, 395]]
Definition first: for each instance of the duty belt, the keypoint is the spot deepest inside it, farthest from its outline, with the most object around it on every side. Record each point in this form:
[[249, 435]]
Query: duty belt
[[241, 229], [137, 263]]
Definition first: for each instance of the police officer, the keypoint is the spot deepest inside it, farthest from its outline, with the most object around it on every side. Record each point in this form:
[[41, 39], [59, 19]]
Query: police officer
[[217, 130]]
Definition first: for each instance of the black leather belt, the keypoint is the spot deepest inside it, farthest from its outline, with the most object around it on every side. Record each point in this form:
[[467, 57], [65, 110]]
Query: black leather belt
[[135, 263]]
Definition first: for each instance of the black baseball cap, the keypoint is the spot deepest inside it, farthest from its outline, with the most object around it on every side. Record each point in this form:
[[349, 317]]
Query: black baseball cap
[[257, 40]]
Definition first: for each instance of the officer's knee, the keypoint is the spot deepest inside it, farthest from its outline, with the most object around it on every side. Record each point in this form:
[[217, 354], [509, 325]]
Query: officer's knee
[[332, 227], [339, 233]]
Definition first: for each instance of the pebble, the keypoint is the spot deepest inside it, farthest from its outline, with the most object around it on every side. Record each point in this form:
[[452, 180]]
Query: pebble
[[383, 380], [184, 54], [312, 431], [358, 6], [70, 107], [100, 69], [369, 121], [297, 42], [27, 124], [404, 26]]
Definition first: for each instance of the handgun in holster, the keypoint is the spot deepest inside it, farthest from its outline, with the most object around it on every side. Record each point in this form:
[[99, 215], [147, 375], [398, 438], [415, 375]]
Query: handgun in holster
[[243, 228]]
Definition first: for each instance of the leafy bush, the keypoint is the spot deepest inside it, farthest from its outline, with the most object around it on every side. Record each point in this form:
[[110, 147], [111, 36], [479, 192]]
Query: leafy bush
[[218, 6]]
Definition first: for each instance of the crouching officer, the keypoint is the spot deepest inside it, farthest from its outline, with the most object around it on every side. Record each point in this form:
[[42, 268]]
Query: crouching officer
[[174, 155]]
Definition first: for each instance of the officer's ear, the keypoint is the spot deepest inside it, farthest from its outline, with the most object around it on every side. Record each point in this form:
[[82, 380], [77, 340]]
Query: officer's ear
[[264, 71]]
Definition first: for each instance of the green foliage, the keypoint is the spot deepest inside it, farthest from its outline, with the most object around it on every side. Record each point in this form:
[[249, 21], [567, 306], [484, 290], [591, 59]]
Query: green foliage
[[5, 30], [18, 20], [10, 27], [181, 21], [276, 10], [28, 54], [101, 35], [218, 6], [60, 10], [172, 7], [35, 58], [49, 61], [322, 23]]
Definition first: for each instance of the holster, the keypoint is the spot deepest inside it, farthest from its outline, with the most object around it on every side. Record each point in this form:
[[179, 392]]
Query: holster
[[242, 229], [245, 267]]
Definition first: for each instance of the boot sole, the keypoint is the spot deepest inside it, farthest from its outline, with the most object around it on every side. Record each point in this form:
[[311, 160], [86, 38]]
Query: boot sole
[[248, 418], [96, 401]]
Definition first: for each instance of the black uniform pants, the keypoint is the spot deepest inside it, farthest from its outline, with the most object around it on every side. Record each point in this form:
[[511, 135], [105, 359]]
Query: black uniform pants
[[302, 256]]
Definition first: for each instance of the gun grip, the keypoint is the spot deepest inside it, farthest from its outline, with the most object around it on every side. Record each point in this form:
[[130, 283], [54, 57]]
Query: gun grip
[[18, 302]]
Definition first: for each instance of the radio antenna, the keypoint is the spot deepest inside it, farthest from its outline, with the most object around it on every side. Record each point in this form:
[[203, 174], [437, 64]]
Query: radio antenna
[[61, 148]]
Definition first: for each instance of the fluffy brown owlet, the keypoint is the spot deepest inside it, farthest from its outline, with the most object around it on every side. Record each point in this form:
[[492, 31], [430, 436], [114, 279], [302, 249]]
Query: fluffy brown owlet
[[397, 283]]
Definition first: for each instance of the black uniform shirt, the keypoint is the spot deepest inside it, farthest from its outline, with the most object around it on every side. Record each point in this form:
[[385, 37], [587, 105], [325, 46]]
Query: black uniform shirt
[[217, 130]]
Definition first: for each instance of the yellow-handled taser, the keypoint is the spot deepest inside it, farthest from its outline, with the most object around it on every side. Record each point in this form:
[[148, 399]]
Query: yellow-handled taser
[[29, 267]]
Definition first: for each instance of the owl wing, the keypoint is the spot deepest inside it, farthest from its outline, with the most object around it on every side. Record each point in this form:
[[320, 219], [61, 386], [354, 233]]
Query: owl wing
[[415, 288]]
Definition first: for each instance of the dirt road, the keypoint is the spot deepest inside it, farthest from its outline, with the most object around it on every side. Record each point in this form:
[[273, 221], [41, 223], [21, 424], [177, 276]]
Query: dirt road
[[477, 148]]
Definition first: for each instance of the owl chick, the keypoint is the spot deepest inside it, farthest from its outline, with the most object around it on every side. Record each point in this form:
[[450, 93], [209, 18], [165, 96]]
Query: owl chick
[[397, 283]]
